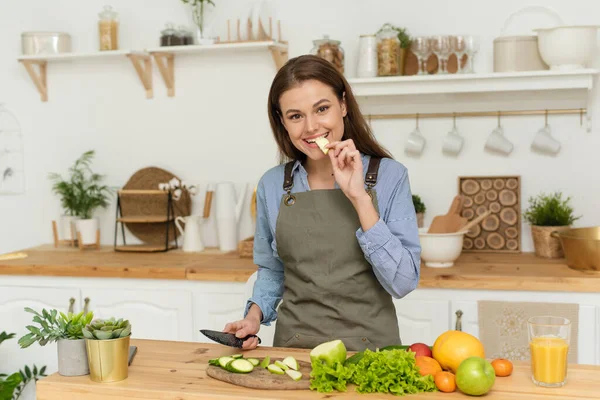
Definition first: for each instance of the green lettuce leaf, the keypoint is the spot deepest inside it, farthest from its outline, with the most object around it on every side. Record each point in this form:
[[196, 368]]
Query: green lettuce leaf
[[326, 378]]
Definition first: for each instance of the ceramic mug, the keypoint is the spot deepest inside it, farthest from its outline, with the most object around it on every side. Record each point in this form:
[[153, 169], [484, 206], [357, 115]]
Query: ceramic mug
[[544, 142], [415, 143], [498, 143], [453, 143]]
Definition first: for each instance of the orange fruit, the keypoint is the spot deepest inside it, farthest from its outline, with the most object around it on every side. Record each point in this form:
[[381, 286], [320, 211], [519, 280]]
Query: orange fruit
[[453, 347], [427, 365], [445, 381], [502, 367]]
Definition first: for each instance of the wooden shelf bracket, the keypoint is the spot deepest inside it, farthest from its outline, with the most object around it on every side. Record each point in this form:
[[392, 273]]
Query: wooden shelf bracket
[[39, 79], [166, 66], [143, 66], [280, 56]]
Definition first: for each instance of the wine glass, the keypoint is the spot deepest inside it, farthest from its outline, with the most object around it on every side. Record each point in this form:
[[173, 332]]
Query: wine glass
[[458, 45], [420, 47], [440, 45], [471, 47]]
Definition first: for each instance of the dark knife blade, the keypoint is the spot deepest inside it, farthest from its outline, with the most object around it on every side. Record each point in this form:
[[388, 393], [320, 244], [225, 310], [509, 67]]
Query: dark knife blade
[[227, 339]]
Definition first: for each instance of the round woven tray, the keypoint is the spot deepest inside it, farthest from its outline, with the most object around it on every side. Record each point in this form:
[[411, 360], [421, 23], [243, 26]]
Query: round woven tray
[[137, 205]]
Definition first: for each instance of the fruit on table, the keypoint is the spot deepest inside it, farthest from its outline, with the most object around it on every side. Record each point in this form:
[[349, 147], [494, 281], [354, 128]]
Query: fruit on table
[[502, 367], [452, 347], [281, 365], [295, 375], [475, 376], [427, 365], [291, 362], [420, 349], [275, 369], [329, 353], [445, 381]]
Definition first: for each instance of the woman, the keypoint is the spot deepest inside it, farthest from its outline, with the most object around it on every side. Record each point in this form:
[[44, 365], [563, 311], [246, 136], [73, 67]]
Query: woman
[[336, 235]]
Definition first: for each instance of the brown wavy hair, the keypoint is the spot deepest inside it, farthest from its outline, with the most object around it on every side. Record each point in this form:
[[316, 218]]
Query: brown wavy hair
[[309, 67]]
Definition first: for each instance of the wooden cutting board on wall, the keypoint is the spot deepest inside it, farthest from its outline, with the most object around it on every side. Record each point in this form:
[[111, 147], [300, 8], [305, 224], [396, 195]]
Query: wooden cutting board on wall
[[260, 378]]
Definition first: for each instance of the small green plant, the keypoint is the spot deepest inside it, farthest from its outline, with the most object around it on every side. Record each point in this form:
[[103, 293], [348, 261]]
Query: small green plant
[[12, 386], [105, 329], [198, 12], [402, 33], [53, 326], [549, 210], [418, 203], [83, 192]]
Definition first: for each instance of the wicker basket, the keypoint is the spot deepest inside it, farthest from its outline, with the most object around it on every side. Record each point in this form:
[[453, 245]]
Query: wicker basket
[[245, 248], [544, 244]]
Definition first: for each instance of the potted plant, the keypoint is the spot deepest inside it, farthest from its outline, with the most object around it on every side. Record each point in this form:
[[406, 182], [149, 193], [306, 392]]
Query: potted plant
[[199, 8], [67, 331], [547, 214], [13, 386], [81, 195], [107, 342], [419, 209]]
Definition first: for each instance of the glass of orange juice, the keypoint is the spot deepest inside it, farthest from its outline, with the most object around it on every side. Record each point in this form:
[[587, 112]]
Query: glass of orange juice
[[549, 339]]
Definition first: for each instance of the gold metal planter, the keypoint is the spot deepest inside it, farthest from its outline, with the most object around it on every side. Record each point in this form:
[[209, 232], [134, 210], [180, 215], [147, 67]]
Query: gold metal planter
[[581, 247], [108, 359]]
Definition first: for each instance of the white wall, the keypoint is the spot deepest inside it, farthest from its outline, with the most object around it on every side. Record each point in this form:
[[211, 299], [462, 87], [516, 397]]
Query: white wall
[[216, 128]]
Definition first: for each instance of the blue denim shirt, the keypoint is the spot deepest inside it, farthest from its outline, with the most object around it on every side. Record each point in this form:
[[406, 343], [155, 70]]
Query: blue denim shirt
[[391, 246]]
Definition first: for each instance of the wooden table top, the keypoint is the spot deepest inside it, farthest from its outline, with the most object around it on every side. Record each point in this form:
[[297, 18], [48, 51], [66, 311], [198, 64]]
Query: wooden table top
[[177, 370], [486, 271]]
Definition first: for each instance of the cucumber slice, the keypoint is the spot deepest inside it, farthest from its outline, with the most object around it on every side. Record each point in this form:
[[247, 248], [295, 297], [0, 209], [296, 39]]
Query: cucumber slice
[[224, 360], [214, 361], [292, 363], [240, 366], [237, 356], [281, 365], [254, 361], [295, 375], [275, 369], [265, 362]]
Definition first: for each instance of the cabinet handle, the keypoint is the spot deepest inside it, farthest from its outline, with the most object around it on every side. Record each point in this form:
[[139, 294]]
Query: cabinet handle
[[458, 326], [85, 307], [71, 303]]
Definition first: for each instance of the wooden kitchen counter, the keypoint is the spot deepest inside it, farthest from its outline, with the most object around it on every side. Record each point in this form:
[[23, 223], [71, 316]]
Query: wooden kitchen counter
[[485, 271], [177, 370]]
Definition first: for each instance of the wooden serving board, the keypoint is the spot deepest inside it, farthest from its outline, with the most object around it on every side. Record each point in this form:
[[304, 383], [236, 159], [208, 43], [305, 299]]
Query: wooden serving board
[[261, 378]]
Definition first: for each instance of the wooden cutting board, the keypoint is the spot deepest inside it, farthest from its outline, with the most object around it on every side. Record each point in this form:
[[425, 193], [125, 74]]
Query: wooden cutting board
[[260, 378]]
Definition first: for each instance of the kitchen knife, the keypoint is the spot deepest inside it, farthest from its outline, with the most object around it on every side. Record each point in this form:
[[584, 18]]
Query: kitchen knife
[[227, 339]]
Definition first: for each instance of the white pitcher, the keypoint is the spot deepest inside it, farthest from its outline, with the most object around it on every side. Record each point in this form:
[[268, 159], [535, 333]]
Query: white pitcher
[[228, 212], [192, 236]]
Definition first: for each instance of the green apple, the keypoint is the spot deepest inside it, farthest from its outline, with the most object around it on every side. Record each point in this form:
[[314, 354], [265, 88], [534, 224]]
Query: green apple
[[475, 376], [329, 353]]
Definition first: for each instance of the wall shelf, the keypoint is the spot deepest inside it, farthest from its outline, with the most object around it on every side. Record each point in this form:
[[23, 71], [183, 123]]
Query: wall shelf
[[165, 56]]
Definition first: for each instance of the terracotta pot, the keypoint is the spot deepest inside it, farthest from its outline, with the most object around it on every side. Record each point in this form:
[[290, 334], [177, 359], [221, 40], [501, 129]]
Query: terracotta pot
[[544, 244]]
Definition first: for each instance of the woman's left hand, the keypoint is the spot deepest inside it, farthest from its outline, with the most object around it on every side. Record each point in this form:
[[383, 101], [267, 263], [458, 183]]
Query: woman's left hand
[[347, 168]]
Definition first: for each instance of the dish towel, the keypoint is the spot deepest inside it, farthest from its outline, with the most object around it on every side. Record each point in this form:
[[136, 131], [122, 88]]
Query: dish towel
[[503, 327]]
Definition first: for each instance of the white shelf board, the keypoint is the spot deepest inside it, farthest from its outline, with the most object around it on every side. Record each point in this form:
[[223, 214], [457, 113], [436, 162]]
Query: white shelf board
[[474, 83], [191, 49], [78, 56]]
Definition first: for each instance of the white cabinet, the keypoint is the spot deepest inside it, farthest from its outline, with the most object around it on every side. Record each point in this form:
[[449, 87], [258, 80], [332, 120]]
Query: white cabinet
[[421, 320], [216, 304], [153, 314], [14, 319]]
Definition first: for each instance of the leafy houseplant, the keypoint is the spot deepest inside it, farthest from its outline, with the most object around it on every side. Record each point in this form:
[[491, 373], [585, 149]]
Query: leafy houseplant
[[67, 331], [81, 194], [419, 209], [107, 343], [198, 10], [548, 213], [13, 385]]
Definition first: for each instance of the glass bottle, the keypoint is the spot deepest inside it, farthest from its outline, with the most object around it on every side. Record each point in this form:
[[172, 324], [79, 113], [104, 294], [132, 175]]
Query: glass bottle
[[388, 52], [331, 51], [108, 28]]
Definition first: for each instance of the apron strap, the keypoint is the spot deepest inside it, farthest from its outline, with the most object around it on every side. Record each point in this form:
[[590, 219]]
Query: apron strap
[[371, 178], [288, 179]]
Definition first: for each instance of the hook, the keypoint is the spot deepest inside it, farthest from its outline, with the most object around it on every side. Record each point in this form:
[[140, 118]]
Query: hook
[[498, 119], [454, 119], [581, 117], [369, 119], [546, 118], [417, 120]]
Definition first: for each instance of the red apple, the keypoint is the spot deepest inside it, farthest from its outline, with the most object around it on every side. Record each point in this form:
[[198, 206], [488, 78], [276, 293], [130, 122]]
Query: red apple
[[420, 349]]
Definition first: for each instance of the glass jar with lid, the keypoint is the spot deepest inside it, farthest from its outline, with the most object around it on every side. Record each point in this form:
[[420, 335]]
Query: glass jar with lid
[[169, 36], [108, 29], [330, 50], [388, 52]]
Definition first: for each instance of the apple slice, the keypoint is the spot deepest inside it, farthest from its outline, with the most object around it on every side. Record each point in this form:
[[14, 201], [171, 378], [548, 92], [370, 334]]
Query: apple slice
[[281, 365], [295, 375], [275, 369], [291, 362]]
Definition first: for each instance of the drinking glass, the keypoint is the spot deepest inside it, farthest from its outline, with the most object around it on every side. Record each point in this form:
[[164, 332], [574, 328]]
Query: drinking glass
[[549, 340], [458, 46], [440, 45], [420, 47], [471, 47]]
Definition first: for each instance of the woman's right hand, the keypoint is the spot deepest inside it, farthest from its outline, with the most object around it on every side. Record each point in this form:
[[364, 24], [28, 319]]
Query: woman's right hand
[[242, 328]]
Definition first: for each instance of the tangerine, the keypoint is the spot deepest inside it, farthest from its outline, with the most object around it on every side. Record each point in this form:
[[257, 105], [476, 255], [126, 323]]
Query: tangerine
[[445, 381], [502, 367], [427, 365]]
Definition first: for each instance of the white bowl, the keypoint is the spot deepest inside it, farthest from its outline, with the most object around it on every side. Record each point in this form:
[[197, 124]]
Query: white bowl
[[440, 250], [567, 48]]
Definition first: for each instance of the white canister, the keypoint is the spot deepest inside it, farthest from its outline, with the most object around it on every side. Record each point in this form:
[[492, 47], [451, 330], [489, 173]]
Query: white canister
[[517, 53], [367, 57]]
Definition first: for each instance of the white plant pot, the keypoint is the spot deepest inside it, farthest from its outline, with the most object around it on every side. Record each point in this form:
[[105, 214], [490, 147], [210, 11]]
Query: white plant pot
[[87, 228], [68, 227]]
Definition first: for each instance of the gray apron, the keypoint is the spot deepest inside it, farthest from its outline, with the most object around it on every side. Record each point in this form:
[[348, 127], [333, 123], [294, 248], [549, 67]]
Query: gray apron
[[330, 291]]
